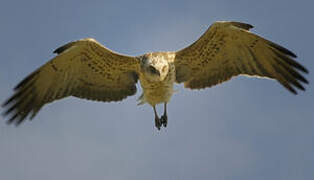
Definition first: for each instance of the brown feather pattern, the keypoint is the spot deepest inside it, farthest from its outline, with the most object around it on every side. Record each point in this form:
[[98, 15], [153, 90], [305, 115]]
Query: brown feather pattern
[[84, 69], [228, 49], [88, 70]]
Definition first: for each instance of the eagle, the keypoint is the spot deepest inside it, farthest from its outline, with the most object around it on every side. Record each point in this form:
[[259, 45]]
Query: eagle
[[87, 69]]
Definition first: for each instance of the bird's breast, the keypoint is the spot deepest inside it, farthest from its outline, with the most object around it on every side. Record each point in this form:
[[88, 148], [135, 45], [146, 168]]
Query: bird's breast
[[160, 91]]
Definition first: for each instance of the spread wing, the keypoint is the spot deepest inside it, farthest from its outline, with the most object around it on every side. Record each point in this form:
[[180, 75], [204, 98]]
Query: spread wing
[[83, 69], [228, 49]]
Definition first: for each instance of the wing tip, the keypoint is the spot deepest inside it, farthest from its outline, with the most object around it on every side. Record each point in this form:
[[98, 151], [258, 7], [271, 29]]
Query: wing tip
[[61, 49], [305, 71], [285, 56], [242, 25], [282, 49]]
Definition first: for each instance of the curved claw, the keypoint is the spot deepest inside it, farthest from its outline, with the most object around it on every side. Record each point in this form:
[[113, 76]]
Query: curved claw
[[164, 120], [158, 123]]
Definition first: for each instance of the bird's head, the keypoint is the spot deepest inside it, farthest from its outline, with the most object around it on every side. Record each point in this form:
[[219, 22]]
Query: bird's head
[[154, 66]]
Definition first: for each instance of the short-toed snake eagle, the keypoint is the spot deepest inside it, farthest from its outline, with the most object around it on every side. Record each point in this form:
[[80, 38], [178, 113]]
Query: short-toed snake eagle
[[88, 70]]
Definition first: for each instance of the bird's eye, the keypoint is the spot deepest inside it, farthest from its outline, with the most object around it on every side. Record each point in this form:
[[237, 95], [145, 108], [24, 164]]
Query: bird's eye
[[153, 70]]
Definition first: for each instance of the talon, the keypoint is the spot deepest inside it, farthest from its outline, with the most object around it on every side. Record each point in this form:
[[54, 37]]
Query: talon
[[158, 123], [164, 120]]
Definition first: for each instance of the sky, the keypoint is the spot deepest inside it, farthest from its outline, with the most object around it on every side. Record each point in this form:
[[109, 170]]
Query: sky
[[243, 129]]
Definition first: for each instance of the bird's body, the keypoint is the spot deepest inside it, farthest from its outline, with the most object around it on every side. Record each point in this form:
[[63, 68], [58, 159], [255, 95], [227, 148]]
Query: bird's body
[[86, 69], [159, 90]]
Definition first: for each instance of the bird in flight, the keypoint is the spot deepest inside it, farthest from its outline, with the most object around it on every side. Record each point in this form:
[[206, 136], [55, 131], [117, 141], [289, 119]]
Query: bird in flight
[[86, 69]]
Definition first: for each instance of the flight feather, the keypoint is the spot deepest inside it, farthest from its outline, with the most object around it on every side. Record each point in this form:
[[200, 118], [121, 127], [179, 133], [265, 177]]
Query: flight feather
[[228, 49], [83, 69]]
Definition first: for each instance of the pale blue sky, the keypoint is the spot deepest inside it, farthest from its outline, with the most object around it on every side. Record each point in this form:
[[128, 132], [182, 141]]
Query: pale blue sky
[[241, 130]]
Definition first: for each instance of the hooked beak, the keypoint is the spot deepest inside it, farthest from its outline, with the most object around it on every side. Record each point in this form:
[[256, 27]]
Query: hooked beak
[[158, 73]]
